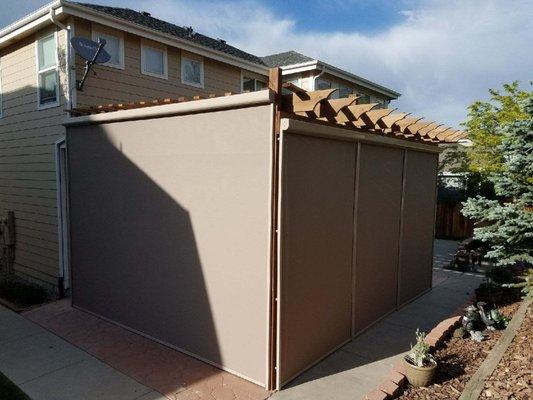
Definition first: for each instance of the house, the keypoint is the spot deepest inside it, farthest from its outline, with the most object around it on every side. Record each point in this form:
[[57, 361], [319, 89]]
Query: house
[[256, 232], [312, 74], [150, 59]]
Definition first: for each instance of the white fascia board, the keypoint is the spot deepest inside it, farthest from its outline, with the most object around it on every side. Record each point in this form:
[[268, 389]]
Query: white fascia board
[[169, 40], [360, 81], [29, 24], [339, 73]]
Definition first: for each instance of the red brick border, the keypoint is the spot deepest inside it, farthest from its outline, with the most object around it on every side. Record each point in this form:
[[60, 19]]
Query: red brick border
[[396, 379]]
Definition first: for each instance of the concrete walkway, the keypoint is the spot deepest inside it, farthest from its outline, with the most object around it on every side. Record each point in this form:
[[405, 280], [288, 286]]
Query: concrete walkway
[[361, 365], [48, 368]]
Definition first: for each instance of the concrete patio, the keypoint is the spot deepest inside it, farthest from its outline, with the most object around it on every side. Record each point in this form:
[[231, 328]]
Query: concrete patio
[[56, 352], [362, 364]]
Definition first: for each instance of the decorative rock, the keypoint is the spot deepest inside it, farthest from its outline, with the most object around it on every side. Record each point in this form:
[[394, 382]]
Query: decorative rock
[[459, 333]]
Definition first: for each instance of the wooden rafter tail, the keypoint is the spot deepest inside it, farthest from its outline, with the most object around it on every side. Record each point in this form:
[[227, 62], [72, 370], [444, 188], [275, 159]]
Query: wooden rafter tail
[[454, 138], [388, 121], [425, 131], [354, 112], [415, 128], [227, 94], [302, 93], [197, 97], [463, 135], [212, 95], [450, 134], [294, 104], [446, 131], [433, 134], [399, 126], [373, 116], [330, 108]]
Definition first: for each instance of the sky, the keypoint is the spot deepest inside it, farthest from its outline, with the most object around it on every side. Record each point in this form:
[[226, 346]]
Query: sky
[[441, 55]]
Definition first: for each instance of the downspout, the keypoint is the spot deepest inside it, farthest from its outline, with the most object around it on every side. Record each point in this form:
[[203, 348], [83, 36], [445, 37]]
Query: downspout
[[318, 76], [70, 87]]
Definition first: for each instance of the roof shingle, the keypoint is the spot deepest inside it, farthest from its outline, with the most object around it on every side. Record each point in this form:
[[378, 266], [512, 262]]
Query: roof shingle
[[148, 21], [286, 58]]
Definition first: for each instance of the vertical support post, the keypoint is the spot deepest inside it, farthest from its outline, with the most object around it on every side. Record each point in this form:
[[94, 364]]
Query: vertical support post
[[274, 84]]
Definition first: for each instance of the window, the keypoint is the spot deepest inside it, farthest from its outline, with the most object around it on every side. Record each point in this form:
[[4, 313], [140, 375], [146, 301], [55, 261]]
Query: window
[[114, 46], [322, 84], [363, 99], [47, 74], [344, 91], [252, 84], [192, 72], [154, 62]]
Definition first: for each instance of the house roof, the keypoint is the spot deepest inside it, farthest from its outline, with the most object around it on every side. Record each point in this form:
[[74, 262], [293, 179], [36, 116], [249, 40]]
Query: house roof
[[146, 20], [285, 58]]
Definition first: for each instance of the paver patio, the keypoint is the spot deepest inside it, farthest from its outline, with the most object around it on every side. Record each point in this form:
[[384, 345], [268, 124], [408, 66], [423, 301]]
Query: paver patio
[[167, 371], [128, 366]]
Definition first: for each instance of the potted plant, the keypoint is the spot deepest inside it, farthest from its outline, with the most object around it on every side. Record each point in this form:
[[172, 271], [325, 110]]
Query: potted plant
[[419, 364]]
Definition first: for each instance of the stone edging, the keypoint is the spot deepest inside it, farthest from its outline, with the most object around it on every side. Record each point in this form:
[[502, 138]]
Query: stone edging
[[396, 379]]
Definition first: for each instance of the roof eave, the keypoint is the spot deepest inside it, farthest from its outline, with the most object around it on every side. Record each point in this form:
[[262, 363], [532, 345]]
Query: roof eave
[[140, 30], [317, 64], [29, 23]]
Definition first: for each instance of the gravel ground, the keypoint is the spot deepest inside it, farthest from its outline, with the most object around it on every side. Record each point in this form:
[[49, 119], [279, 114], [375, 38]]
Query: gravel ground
[[512, 377], [458, 360]]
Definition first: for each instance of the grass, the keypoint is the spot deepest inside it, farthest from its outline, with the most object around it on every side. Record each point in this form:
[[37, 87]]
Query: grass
[[21, 293], [8, 390]]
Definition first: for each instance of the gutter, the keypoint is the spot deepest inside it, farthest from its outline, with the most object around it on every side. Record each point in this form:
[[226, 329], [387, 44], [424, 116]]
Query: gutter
[[311, 65], [68, 55]]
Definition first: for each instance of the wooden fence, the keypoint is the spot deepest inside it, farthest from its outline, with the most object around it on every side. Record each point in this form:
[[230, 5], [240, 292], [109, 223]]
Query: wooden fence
[[451, 224]]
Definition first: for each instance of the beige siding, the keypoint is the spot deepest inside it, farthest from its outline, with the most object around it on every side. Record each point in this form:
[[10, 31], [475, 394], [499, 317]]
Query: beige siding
[[27, 161], [129, 84]]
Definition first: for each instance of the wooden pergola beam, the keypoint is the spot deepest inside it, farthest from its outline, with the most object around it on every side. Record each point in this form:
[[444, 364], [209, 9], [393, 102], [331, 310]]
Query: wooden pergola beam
[[354, 112], [293, 103], [302, 93], [373, 116], [389, 120]]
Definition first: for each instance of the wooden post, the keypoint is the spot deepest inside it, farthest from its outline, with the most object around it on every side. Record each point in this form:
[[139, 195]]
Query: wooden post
[[274, 84]]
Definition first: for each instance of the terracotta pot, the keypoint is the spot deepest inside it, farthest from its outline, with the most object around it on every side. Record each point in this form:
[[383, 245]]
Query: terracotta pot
[[419, 376]]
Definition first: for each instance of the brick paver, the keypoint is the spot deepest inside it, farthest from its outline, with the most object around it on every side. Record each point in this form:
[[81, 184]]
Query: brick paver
[[171, 373]]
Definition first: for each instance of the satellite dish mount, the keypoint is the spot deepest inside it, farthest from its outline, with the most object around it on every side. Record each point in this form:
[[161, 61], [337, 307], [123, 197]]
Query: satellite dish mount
[[92, 53]]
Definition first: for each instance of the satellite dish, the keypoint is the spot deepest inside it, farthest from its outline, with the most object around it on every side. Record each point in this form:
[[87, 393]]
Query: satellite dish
[[87, 49], [91, 52]]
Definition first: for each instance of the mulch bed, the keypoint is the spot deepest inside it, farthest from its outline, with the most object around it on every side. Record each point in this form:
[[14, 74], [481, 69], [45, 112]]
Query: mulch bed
[[512, 377], [458, 360]]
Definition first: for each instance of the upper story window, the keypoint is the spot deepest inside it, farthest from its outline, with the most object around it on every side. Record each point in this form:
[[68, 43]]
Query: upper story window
[[154, 61], [114, 46], [192, 72], [345, 91], [252, 84], [363, 99], [322, 84], [47, 73]]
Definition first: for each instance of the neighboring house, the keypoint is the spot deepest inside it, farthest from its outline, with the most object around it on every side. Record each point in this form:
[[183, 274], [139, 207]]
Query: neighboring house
[[311, 74], [150, 59]]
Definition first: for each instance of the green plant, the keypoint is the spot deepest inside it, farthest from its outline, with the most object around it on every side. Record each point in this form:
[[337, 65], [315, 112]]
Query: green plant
[[500, 275], [419, 354], [526, 284], [20, 292], [500, 320], [507, 224]]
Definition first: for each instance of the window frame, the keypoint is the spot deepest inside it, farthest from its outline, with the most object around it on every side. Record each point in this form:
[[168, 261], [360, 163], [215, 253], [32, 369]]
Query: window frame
[[182, 74], [55, 69], [165, 61], [246, 76], [120, 36]]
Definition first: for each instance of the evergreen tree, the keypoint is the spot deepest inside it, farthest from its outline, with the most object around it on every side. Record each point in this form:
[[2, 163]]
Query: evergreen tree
[[508, 224]]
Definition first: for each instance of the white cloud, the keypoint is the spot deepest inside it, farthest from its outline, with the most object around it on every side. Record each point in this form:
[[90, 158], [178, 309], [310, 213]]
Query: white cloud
[[441, 57]]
